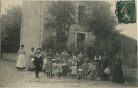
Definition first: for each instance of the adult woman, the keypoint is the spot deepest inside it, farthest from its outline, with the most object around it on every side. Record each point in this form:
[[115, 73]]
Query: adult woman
[[31, 57], [117, 70], [21, 60]]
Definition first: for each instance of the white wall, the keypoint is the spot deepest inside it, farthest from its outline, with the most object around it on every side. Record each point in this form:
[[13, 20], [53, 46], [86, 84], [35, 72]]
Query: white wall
[[31, 29]]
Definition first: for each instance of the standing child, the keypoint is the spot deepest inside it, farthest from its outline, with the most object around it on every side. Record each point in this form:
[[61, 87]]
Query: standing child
[[85, 70], [54, 67], [59, 67], [49, 68], [92, 70], [37, 62], [65, 68], [74, 70], [45, 64], [80, 72]]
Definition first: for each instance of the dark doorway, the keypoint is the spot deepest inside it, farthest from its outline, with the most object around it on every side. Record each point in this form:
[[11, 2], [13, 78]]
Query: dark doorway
[[80, 41]]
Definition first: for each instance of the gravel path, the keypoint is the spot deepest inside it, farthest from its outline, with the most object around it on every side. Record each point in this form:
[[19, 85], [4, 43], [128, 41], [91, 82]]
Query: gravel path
[[10, 78]]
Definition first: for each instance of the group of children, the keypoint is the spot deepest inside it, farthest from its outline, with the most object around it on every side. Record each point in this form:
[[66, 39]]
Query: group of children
[[77, 66], [66, 65]]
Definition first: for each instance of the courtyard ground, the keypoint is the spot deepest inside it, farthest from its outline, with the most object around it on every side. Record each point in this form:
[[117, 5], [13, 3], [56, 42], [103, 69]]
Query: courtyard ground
[[10, 78]]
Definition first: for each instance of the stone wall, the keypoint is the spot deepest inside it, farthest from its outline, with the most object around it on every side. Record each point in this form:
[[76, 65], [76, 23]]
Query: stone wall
[[72, 39]]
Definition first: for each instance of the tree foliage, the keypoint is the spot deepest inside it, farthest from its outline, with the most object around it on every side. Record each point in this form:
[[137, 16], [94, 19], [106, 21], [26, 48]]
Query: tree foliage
[[94, 16], [99, 19], [10, 25], [62, 13]]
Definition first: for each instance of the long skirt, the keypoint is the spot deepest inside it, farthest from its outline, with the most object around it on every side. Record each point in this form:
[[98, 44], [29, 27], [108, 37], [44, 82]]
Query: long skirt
[[54, 70], [118, 75], [30, 64], [65, 69], [21, 62], [104, 77]]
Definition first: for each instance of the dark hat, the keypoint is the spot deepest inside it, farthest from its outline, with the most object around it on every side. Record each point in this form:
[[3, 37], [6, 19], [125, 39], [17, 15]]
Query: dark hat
[[32, 48], [22, 45]]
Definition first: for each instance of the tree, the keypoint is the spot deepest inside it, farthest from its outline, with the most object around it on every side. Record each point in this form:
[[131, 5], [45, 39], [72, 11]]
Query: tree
[[11, 24], [100, 20], [62, 13]]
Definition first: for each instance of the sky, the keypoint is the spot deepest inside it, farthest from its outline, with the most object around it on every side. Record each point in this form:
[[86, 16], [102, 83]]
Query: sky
[[5, 4], [129, 30]]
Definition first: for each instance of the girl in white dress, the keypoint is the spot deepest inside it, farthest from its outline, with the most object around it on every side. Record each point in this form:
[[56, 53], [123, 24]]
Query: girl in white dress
[[45, 60], [21, 60]]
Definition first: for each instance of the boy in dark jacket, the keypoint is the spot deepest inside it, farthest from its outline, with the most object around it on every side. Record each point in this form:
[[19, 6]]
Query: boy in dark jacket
[[37, 62]]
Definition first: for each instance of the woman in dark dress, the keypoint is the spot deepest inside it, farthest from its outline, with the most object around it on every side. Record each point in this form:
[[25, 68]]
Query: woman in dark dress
[[117, 70]]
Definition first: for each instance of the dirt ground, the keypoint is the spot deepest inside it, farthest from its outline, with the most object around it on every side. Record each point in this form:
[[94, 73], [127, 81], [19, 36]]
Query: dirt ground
[[10, 78]]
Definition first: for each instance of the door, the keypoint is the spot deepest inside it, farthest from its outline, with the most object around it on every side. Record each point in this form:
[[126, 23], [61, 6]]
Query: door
[[80, 41]]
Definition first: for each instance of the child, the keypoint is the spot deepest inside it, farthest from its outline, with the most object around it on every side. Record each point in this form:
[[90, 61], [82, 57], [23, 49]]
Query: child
[[37, 62], [49, 68], [44, 64], [80, 72], [92, 70], [74, 70], [54, 67], [59, 68], [85, 70], [74, 58], [65, 68]]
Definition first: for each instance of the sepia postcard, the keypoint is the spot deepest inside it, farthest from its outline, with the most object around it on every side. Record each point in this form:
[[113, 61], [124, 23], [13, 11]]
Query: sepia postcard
[[68, 44]]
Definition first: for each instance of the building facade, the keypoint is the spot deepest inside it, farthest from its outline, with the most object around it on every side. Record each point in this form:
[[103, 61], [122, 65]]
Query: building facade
[[33, 32]]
